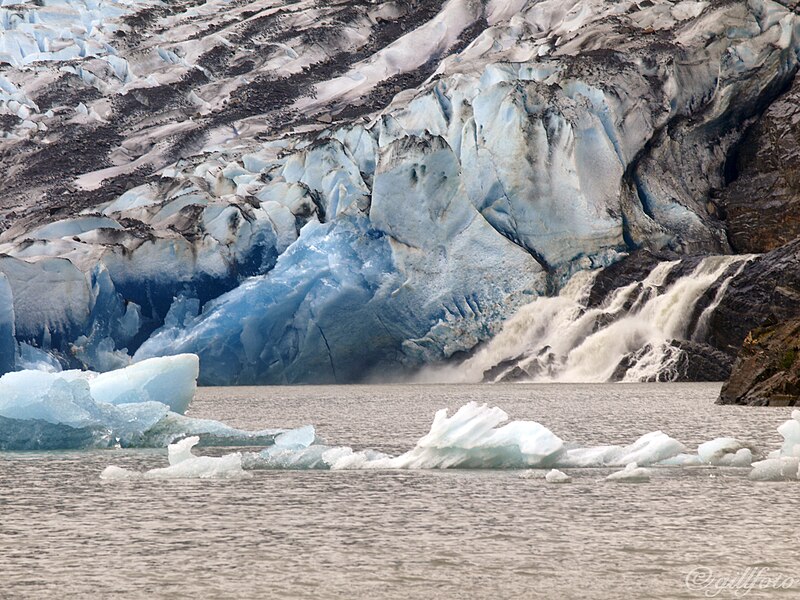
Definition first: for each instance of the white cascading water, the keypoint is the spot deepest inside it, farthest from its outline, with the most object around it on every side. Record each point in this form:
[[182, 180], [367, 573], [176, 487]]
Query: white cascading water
[[559, 339]]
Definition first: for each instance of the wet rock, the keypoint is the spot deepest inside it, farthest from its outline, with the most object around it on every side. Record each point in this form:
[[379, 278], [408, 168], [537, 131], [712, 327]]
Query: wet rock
[[701, 362], [763, 202], [682, 360], [766, 293], [767, 371]]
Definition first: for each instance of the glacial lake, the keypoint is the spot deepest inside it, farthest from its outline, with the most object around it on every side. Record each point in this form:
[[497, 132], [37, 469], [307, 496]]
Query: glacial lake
[[688, 533]]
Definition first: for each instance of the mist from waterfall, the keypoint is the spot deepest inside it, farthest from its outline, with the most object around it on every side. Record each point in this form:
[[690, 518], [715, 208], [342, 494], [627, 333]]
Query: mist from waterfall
[[563, 339]]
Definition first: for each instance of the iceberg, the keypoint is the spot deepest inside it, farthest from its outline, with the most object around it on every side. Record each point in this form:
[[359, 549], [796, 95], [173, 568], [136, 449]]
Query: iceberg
[[726, 452], [782, 464], [474, 437], [183, 464], [138, 406], [632, 473], [170, 380], [556, 476]]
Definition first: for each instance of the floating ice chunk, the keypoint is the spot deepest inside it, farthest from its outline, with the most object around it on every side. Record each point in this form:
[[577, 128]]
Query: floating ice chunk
[[170, 380], [682, 460], [742, 458], [783, 464], [203, 467], [211, 433], [651, 448], [556, 476], [471, 438], [49, 411], [632, 473], [790, 430], [283, 458], [118, 474], [183, 464], [533, 474], [725, 451], [776, 469], [182, 450], [76, 409]]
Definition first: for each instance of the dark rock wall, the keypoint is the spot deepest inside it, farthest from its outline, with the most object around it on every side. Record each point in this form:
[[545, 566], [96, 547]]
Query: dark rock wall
[[762, 202]]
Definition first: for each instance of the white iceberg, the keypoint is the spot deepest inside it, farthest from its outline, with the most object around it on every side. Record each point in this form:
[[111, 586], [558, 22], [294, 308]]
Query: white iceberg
[[556, 476], [632, 473], [474, 437], [725, 452], [782, 464], [183, 464]]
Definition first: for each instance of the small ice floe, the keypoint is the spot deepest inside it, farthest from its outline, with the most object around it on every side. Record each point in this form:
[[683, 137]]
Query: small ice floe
[[532, 474], [783, 464], [183, 464], [556, 476], [783, 468], [632, 473], [725, 452]]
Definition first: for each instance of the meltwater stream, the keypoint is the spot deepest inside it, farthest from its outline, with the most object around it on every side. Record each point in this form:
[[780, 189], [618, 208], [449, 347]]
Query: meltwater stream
[[399, 533]]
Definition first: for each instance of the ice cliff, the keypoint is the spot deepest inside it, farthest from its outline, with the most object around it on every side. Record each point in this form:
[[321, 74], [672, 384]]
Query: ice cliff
[[309, 193]]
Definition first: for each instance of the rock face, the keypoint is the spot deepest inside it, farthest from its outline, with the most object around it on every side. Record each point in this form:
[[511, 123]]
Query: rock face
[[766, 292], [767, 371], [313, 192], [763, 202], [684, 361]]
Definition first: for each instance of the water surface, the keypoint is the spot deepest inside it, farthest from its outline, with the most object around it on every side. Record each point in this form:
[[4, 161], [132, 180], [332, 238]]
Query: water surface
[[409, 534]]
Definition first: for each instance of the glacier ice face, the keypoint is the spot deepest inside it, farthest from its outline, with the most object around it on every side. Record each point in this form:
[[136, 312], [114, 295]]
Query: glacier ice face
[[8, 345], [350, 298], [532, 140]]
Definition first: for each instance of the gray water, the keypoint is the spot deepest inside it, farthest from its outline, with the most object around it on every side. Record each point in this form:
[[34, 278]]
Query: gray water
[[688, 533]]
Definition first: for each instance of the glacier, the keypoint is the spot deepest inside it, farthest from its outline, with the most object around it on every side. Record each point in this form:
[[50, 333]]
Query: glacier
[[338, 193], [138, 406]]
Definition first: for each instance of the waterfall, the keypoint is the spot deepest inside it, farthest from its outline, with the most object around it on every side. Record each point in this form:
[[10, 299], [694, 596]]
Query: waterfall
[[629, 336]]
